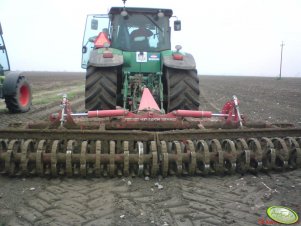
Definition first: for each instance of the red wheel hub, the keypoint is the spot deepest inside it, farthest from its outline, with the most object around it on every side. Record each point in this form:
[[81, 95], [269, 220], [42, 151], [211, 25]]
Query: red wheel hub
[[24, 96]]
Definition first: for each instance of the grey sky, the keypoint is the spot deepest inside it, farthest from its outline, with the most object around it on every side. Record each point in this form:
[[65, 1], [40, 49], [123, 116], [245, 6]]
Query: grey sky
[[231, 37]]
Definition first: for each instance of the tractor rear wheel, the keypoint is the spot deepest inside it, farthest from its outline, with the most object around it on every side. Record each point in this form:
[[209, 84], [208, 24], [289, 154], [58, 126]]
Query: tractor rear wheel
[[21, 100], [101, 88], [182, 89]]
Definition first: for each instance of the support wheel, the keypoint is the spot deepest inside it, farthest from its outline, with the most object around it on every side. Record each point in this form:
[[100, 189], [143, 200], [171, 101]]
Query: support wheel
[[21, 100], [101, 88], [182, 89]]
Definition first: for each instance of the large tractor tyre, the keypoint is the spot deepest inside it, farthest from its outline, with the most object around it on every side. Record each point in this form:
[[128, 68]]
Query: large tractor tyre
[[101, 88], [21, 100], [182, 89]]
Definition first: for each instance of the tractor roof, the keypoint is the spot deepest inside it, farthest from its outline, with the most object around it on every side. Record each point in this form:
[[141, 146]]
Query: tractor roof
[[117, 10]]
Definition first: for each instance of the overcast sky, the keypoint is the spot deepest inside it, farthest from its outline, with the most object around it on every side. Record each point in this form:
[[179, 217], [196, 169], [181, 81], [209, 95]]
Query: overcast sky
[[226, 37]]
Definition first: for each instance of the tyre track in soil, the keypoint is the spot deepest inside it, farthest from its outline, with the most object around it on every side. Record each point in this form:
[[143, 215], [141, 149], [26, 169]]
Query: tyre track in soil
[[68, 202], [228, 200], [207, 201]]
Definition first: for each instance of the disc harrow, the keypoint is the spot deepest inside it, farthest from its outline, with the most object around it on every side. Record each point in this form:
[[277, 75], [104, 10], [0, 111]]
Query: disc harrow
[[112, 158]]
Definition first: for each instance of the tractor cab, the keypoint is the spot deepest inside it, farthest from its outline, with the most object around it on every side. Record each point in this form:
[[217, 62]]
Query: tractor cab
[[4, 62], [128, 29], [140, 29]]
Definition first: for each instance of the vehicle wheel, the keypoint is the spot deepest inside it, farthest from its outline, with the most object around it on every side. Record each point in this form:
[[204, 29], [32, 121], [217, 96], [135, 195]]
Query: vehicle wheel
[[182, 89], [22, 99], [101, 88]]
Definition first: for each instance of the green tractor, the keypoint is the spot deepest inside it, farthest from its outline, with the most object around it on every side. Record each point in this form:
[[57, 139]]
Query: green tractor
[[129, 49], [14, 87]]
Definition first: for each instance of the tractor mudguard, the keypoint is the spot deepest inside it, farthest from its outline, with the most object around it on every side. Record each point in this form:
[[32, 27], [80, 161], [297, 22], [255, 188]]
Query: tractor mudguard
[[188, 62], [97, 59], [10, 82]]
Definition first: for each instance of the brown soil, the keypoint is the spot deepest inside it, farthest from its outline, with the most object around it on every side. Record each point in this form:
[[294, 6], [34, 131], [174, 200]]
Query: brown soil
[[214, 200], [44, 84]]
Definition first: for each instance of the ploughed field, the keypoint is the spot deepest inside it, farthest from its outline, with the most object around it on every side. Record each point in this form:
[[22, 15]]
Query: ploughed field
[[212, 200]]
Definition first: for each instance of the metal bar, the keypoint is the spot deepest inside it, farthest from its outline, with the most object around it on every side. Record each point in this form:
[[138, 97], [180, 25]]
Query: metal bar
[[229, 133], [198, 114], [102, 114], [78, 114], [221, 115], [57, 134], [235, 100], [131, 135]]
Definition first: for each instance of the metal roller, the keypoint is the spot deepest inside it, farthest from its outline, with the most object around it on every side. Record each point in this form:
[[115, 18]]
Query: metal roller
[[269, 153], [202, 157], [295, 152], [256, 154], [147, 158], [243, 155]]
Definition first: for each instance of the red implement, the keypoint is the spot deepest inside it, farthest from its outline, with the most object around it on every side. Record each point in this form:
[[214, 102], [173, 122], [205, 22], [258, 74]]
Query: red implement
[[149, 116]]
